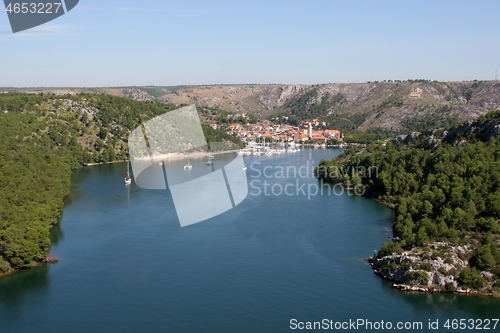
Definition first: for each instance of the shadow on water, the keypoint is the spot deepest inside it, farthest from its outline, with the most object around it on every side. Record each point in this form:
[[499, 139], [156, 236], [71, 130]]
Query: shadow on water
[[74, 197], [56, 234], [14, 287]]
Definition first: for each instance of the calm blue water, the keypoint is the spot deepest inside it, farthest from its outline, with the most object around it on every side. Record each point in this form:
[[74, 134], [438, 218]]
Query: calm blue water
[[127, 266]]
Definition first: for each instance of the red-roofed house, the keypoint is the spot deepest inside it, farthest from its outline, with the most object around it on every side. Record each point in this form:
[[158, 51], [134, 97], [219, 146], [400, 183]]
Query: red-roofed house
[[332, 134]]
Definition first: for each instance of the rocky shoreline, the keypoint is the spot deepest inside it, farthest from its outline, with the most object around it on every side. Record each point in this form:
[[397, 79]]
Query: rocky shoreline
[[431, 268]]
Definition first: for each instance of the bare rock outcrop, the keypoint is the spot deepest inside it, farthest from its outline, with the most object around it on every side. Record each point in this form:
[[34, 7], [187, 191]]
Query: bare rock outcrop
[[434, 267]]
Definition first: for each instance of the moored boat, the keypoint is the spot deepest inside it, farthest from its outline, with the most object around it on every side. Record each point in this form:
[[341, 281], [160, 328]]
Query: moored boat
[[127, 179]]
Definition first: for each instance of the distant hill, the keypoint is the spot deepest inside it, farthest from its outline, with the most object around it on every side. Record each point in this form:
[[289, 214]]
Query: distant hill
[[399, 106]]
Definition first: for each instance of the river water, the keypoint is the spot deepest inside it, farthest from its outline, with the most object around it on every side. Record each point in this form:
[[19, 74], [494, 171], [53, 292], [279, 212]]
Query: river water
[[126, 265]]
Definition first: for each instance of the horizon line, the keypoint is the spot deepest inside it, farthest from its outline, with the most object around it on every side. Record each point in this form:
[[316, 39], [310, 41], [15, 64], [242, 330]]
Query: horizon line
[[241, 84]]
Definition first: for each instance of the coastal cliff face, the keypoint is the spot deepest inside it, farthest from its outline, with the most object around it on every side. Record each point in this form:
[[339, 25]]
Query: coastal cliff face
[[482, 129]]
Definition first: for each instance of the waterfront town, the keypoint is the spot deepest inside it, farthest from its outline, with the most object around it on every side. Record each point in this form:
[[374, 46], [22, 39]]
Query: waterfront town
[[314, 131]]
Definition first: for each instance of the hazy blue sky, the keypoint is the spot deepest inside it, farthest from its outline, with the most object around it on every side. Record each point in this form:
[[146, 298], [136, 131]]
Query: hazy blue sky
[[158, 42]]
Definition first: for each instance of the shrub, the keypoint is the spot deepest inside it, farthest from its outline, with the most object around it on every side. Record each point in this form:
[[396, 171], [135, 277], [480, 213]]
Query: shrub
[[463, 256], [496, 271], [392, 265], [449, 260], [449, 287], [452, 272], [388, 249], [484, 259], [426, 266], [472, 278], [423, 277], [420, 276], [4, 265]]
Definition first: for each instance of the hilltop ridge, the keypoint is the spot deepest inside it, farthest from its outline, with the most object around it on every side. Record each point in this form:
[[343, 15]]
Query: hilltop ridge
[[395, 106]]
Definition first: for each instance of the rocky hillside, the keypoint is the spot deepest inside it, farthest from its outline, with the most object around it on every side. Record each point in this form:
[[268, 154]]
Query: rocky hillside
[[436, 267], [393, 106], [397, 106], [482, 129], [261, 100]]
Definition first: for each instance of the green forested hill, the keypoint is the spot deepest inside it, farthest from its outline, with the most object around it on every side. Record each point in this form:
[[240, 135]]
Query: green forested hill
[[42, 137], [444, 193]]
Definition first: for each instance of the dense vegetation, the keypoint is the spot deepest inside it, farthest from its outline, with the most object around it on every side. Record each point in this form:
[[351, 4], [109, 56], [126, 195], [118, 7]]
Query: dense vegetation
[[218, 136], [45, 136], [306, 107], [438, 118], [218, 116], [309, 106], [447, 193]]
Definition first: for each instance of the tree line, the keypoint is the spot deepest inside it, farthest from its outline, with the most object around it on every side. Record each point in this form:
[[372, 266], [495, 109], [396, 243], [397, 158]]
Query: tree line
[[447, 193]]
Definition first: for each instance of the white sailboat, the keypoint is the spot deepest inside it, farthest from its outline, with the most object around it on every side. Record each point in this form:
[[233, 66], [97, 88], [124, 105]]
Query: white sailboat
[[210, 160], [188, 166], [127, 179]]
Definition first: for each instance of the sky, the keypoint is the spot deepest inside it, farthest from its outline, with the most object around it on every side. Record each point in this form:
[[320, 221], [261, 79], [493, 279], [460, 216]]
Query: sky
[[161, 42]]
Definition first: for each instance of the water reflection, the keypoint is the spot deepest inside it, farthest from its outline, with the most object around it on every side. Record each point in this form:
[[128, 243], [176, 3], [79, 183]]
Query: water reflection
[[14, 287], [453, 304], [56, 234]]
